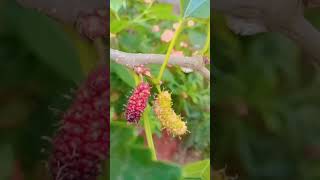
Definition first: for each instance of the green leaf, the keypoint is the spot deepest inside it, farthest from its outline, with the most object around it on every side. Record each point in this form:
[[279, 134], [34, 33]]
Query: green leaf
[[200, 130], [167, 75], [118, 25], [131, 43], [123, 74], [162, 12], [197, 39], [130, 160], [116, 5], [49, 42], [197, 170], [195, 8]]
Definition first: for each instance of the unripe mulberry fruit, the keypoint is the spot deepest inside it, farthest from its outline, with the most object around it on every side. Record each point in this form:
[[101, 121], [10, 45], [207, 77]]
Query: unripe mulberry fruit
[[137, 102], [169, 119], [82, 142]]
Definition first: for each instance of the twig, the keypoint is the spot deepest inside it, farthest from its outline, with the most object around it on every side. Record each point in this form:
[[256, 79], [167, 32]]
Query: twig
[[132, 59]]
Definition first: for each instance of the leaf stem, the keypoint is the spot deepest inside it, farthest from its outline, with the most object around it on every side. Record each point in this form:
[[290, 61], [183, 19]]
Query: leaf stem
[[171, 45], [147, 130], [136, 19]]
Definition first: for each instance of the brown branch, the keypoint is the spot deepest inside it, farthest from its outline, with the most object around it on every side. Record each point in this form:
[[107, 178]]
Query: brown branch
[[284, 16], [88, 17], [307, 37], [65, 11], [132, 59]]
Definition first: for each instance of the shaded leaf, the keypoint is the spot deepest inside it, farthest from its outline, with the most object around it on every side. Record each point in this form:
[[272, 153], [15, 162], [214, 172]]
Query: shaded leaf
[[131, 160], [49, 42], [123, 74], [197, 39]]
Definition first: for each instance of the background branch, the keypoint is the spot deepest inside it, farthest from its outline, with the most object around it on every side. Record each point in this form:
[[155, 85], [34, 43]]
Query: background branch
[[65, 11], [197, 63], [284, 16]]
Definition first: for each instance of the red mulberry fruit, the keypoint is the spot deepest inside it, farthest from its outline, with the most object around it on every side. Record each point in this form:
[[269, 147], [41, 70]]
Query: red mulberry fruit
[[137, 102], [82, 142]]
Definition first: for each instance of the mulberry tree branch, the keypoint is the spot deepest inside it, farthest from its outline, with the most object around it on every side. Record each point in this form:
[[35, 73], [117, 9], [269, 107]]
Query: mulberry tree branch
[[90, 18], [196, 63], [69, 12], [283, 16], [65, 11]]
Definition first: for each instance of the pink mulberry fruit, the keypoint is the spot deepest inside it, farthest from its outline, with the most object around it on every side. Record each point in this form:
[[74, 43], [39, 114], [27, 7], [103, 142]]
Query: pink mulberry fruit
[[82, 142], [137, 102]]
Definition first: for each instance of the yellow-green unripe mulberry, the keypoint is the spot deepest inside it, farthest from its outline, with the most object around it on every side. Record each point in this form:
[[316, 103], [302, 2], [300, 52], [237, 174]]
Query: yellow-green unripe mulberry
[[169, 119]]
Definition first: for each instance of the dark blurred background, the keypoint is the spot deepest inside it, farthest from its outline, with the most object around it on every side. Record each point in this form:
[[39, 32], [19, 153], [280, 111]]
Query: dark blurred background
[[41, 60], [267, 106]]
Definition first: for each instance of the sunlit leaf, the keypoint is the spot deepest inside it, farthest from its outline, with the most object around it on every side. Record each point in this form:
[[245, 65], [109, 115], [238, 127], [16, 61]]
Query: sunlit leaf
[[195, 8], [197, 170], [162, 12], [118, 25], [116, 5]]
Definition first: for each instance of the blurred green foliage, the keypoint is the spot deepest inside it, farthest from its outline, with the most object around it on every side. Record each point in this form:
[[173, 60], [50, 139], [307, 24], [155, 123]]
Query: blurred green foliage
[[40, 63], [131, 160], [267, 106]]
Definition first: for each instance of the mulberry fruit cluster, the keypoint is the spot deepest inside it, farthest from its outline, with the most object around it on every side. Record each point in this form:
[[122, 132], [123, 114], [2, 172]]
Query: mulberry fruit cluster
[[82, 142], [168, 118], [137, 102]]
